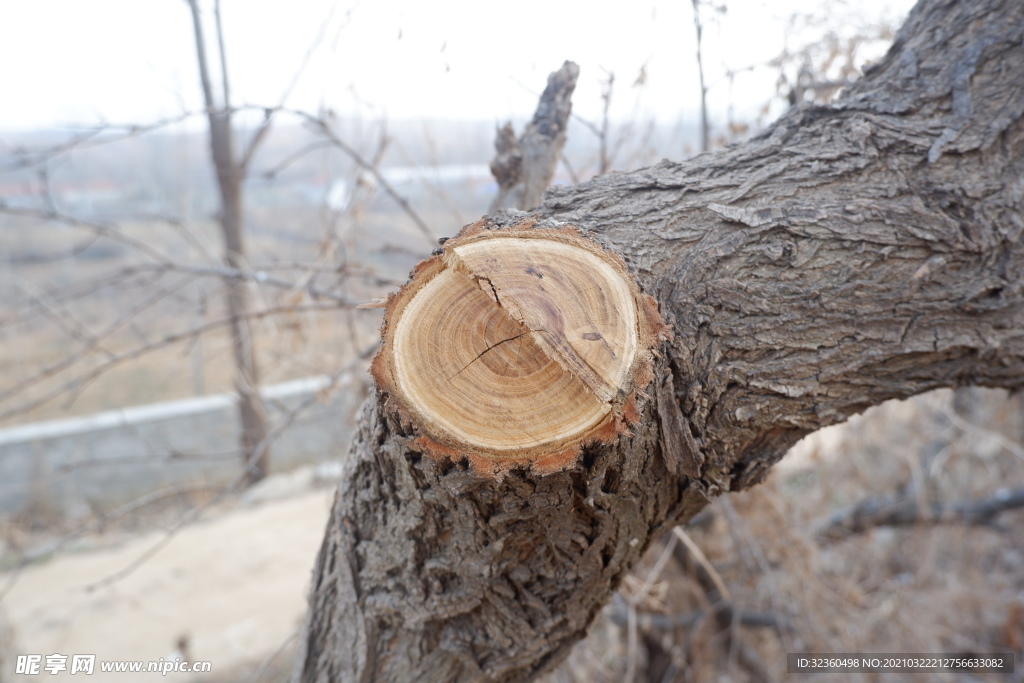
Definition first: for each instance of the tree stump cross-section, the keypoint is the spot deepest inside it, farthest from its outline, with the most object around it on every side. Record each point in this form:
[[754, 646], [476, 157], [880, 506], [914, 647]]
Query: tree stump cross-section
[[515, 346]]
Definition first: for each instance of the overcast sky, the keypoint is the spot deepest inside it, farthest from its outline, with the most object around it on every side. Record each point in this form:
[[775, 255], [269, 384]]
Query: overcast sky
[[77, 62]]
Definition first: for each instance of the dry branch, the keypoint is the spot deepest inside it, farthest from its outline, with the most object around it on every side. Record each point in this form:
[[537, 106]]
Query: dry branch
[[720, 611], [908, 511], [653, 621], [113, 359], [323, 127], [524, 167]]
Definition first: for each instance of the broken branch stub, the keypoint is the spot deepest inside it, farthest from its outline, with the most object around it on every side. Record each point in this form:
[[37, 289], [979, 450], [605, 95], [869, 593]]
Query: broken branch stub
[[516, 345]]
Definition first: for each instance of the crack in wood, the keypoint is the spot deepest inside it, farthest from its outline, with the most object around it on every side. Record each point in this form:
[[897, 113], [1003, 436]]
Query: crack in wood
[[494, 291], [492, 346]]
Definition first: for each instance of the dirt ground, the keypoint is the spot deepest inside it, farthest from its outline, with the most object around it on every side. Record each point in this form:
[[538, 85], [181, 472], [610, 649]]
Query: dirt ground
[[234, 585]]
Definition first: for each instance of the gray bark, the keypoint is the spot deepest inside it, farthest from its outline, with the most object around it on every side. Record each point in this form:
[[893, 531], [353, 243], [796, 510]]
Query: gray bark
[[853, 253], [524, 167]]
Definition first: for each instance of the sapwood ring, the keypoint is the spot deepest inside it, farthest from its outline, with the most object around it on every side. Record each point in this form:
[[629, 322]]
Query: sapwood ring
[[516, 345]]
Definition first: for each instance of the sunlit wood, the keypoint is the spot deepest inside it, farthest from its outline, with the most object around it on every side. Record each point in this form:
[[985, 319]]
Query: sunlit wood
[[513, 344]]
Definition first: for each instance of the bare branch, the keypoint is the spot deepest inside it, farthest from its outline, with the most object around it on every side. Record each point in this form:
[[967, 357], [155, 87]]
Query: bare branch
[[907, 511], [273, 171], [95, 525], [90, 343], [236, 483], [704, 124], [108, 230], [268, 113], [264, 666], [253, 275], [254, 143], [132, 354], [652, 621], [324, 128]]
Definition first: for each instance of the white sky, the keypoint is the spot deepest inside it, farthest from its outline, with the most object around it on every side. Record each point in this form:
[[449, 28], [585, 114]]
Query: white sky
[[75, 62]]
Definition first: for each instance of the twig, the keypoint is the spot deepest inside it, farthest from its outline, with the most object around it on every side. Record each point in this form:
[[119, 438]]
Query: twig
[[150, 457], [256, 275], [273, 171], [231, 487], [976, 430], [93, 137], [744, 539], [180, 489], [907, 511], [269, 659], [651, 621], [117, 279], [63, 318], [725, 620], [92, 342], [269, 112], [632, 645], [142, 350], [96, 524], [104, 229], [656, 570], [704, 125], [325, 130], [698, 555]]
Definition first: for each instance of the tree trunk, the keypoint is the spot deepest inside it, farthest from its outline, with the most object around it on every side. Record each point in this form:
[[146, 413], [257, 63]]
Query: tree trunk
[[853, 253], [230, 174], [255, 452]]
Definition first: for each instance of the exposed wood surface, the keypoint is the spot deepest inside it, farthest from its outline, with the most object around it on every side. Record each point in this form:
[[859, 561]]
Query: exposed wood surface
[[853, 253], [515, 345]]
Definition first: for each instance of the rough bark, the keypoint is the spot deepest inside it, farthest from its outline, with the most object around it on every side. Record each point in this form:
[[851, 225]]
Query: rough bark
[[854, 253], [524, 167]]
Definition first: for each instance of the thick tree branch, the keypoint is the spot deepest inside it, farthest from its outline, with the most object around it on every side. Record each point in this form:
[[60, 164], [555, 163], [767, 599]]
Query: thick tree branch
[[836, 261], [852, 254]]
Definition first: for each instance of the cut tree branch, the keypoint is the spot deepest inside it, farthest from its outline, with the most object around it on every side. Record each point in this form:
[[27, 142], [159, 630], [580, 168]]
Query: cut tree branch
[[853, 253]]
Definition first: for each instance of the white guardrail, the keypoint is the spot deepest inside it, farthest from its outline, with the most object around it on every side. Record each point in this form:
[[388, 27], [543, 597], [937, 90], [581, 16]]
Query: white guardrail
[[76, 465]]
